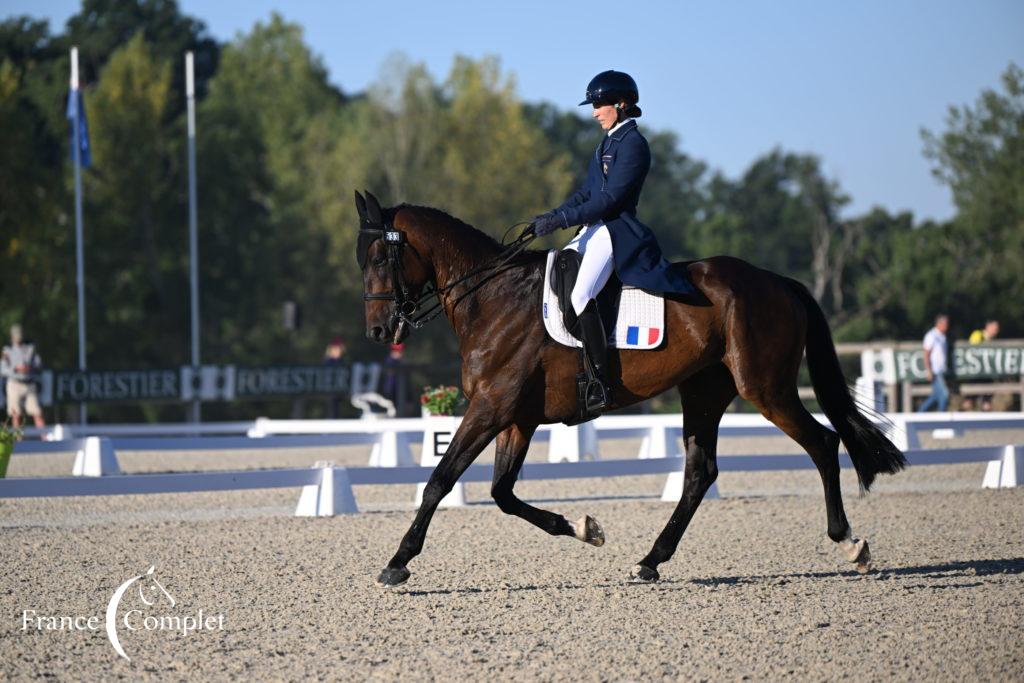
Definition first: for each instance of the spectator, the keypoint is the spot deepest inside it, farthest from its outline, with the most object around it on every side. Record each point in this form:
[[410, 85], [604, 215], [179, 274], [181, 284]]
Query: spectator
[[334, 352], [20, 365], [987, 333], [333, 355], [394, 381], [982, 336], [935, 359]]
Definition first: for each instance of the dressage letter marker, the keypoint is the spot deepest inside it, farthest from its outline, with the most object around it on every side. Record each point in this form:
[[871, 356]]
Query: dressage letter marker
[[437, 435]]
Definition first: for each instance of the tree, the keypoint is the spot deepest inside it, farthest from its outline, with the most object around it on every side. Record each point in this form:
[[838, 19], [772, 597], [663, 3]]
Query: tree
[[36, 237], [261, 145], [981, 157], [136, 290]]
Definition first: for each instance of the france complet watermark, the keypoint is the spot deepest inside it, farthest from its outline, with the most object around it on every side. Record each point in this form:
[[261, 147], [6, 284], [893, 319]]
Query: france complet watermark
[[156, 610]]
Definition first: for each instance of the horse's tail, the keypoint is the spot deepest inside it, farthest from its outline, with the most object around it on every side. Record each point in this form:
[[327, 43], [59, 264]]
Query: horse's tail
[[869, 449]]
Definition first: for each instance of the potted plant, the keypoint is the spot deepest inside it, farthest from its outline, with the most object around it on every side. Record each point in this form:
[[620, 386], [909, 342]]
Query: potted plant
[[440, 400], [8, 435]]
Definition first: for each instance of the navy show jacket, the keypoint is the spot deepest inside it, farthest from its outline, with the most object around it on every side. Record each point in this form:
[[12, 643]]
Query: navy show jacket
[[610, 193]]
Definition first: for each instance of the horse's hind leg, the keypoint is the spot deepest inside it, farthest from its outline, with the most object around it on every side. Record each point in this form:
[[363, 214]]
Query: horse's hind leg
[[822, 444], [705, 396], [512, 445]]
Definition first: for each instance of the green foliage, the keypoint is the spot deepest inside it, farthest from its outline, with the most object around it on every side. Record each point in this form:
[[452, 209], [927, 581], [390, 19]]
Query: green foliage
[[981, 157]]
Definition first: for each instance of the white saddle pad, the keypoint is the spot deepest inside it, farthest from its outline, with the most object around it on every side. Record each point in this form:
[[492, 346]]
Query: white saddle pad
[[641, 322]]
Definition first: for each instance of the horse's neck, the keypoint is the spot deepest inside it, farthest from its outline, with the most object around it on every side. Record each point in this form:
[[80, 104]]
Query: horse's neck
[[458, 252], [493, 293]]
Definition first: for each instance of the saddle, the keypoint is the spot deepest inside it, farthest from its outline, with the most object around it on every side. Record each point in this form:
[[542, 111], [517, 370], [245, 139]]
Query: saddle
[[617, 306], [634, 318]]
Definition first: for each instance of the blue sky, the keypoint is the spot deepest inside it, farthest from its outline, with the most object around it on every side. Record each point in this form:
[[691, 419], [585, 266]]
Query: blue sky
[[853, 82]]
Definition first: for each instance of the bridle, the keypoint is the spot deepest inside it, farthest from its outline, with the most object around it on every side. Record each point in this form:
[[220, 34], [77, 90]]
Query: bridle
[[406, 310]]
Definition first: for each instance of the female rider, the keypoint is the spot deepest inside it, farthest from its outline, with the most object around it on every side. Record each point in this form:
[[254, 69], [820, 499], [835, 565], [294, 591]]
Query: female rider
[[611, 236]]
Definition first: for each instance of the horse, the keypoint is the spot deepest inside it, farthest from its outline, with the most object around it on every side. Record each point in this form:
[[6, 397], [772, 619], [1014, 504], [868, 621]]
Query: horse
[[746, 339]]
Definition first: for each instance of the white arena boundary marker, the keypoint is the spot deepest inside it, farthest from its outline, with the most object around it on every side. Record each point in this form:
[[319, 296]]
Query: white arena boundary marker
[[333, 493], [96, 458], [573, 444]]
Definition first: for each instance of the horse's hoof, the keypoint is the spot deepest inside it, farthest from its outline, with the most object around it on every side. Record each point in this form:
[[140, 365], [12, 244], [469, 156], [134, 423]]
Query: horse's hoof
[[863, 561], [589, 531], [858, 553], [392, 576], [642, 574]]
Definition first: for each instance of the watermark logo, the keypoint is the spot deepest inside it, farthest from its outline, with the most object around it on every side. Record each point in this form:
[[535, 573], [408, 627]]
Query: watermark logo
[[115, 601], [153, 615]]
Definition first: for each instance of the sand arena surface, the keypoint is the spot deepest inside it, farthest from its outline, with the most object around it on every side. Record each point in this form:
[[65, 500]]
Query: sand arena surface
[[755, 590]]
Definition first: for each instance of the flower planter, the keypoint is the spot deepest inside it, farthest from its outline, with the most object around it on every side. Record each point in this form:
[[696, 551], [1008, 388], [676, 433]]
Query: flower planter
[[6, 448]]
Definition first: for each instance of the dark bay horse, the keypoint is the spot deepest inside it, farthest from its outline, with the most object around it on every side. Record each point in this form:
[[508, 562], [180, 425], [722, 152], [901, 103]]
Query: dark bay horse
[[748, 339]]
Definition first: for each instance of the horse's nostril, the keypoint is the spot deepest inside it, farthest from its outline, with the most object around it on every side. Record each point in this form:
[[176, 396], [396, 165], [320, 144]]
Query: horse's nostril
[[376, 333]]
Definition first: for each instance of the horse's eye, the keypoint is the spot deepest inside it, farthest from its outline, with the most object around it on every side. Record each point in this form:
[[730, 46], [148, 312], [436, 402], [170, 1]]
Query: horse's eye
[[380, 261]]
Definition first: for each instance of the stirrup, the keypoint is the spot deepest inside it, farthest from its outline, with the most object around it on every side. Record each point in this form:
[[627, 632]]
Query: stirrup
[[597, 397]]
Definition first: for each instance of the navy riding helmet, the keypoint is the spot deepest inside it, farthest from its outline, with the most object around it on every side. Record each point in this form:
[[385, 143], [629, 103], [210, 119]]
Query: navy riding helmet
[[612, 87]]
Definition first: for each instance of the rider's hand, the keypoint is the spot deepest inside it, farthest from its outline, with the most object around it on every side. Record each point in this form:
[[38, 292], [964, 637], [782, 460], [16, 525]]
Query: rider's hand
[[547, 223]]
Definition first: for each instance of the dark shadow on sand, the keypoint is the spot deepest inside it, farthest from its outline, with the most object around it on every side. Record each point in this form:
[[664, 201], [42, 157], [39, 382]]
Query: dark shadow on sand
[[947, 570]]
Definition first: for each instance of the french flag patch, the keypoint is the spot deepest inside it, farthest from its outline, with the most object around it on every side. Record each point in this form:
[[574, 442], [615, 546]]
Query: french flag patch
[[645, 336]]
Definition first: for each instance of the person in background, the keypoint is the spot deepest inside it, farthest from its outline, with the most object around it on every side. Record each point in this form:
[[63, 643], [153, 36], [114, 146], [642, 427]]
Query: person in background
[[20, 365], [983, 336], [393, 384], [334, 352], [935, 360], [333, 355], [987, 333]]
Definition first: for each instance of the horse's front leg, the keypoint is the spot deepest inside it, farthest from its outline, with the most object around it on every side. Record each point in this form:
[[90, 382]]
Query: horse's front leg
[[478, 428]]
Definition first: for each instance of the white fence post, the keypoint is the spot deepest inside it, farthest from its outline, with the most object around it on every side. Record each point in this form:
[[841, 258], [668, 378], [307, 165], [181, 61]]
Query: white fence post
[[437, 434], [660, 442], [896, 431], [332, 496], [257, 431], [60, 432], [391, 449], [1005, 473], [573, 444], [96, 459]]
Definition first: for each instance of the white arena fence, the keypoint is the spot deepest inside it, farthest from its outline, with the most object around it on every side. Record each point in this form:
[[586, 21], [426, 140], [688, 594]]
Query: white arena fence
[[327, 489]]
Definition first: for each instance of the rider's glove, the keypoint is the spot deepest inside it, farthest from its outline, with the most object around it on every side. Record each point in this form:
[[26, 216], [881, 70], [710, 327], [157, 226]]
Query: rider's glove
[[547, 223]]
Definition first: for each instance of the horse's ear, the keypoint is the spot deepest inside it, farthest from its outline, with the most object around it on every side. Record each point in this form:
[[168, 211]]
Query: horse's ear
[[360, 206], [373, 209]]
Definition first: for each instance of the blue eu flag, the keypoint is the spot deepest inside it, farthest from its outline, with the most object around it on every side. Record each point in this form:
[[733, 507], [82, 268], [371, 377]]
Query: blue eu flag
[[76, 105]]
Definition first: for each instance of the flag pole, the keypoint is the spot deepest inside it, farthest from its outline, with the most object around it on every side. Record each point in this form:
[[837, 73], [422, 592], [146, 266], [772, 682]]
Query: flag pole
[[79, 256], [190, 94]]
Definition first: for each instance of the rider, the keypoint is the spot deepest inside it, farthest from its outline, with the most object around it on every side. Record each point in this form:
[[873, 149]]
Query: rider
[[611, 236]]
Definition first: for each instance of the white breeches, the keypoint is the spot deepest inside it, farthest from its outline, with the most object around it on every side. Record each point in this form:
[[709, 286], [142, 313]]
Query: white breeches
[[594, 244]]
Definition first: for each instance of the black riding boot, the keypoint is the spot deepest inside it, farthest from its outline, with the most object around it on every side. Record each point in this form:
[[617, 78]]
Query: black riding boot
[[590, 330]]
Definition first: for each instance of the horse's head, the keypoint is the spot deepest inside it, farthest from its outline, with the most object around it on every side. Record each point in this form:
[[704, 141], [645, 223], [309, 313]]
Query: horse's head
[[394, 271]]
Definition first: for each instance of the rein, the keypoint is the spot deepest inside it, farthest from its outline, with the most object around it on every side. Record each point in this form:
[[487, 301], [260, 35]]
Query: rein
[[407, 308]]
